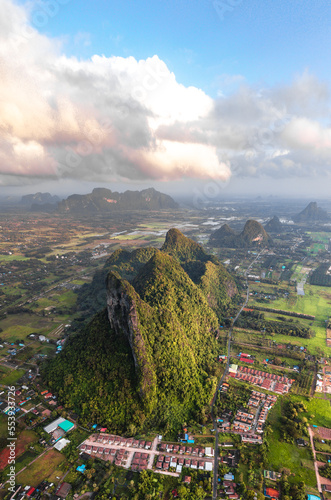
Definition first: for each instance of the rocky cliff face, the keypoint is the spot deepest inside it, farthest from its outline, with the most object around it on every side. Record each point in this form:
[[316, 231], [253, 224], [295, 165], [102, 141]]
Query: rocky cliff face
[[122, 312], [122, 308]]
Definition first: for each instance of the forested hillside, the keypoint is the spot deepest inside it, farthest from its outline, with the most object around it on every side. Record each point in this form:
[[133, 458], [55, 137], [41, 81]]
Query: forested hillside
[[165, 327]]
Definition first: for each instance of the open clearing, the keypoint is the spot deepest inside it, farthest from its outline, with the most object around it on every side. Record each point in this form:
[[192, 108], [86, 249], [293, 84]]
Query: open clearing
[[281, 454], [44, 467], [25, 439]]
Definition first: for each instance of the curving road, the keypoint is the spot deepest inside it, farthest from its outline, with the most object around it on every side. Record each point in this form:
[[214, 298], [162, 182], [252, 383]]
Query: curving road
[[222, 379]]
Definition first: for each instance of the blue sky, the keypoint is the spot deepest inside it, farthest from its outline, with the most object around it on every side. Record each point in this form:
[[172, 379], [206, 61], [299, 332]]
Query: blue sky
[[266, 42], [166, 93]]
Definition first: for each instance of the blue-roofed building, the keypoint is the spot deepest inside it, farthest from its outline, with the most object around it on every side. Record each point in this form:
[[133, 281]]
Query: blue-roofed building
[[313, 497]]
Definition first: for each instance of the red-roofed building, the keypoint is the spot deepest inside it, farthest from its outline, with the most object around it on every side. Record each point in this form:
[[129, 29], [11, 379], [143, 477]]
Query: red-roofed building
[[272, 493], [246, 360]]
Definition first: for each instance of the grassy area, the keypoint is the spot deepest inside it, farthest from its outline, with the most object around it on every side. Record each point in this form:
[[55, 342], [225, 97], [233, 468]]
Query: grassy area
[[10, 258], [319, 410], [315, 302], [288, 455], [12, 377], [25, 459], [47, 466], [68, 298], [19, 326]]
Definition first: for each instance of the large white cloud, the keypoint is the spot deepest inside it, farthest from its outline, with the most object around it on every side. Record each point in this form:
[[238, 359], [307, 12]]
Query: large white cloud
[[118, 118], [92, 119]]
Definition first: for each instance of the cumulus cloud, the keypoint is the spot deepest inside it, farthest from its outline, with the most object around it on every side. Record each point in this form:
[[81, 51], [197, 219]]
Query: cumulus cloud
[[92, 119], [115, 118]]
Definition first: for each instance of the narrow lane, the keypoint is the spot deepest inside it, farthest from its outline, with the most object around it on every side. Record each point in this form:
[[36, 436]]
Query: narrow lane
[[319, 487]]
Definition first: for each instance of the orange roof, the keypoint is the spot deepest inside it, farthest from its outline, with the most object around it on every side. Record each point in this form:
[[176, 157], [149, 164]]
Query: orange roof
[[271, 492]]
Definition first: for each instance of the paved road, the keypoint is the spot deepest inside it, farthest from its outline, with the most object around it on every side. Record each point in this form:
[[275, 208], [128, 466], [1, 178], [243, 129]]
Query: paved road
[[222, 379]]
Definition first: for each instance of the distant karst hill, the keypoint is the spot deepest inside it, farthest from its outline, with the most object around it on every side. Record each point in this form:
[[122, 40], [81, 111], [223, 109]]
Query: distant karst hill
[[148, 360], [39, 199], [105, 200], [274, 225], [312, 213], [253, 235]]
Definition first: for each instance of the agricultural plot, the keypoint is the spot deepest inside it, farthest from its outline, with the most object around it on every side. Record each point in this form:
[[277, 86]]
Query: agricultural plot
[[19, 326], [315, 302], [25, 439], [47, 466], [12, 377]]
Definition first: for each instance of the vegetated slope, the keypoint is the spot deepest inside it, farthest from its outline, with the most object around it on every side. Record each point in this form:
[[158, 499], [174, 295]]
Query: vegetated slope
[[225, 236], [104, 200], [274, 225], [253, 235], [182, 248], [167, 333], [92, 297], [204, 270], [94, 375], [311, 213], [193, 258]]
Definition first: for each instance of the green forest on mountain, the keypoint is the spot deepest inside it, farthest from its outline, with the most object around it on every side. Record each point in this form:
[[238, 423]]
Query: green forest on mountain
[[154, 367]]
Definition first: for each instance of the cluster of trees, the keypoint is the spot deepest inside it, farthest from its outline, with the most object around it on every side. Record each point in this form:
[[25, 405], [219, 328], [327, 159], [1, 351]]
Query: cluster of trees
[[93, 478], [319, 446], [255, 320], [255, 458], [325, 471], [18, 310], [303, 381], [292, 491], [150, 486], [38, 253], [285, 313], [234, 398], [319, 276], [94, 375], [293, 425]]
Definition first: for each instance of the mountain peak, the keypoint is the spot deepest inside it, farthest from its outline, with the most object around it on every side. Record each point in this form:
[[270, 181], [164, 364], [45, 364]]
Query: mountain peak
[[252, 235], [311, 213], [182, 248]]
